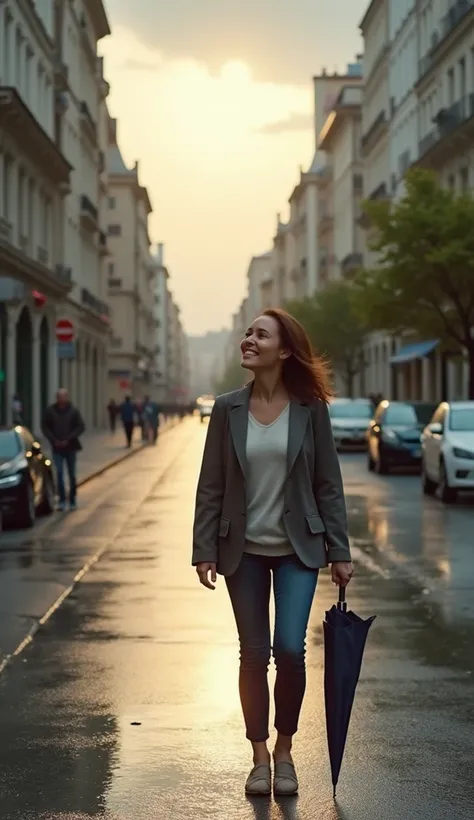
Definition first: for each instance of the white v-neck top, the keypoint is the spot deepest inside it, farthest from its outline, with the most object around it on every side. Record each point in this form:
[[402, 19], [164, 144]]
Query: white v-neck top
[[267, 460]]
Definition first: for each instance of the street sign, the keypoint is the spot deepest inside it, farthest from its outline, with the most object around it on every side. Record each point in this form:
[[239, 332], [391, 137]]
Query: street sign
[[66, 350], [65, 330]]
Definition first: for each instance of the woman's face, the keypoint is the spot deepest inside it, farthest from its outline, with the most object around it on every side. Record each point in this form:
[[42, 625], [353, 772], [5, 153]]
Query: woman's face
[[261, 346]]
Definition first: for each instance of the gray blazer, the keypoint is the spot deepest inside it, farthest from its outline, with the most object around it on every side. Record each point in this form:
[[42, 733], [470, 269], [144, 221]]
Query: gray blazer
[[315, 513]]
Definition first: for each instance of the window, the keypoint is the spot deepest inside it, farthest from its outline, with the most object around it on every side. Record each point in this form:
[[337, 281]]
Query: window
[[115, 283], [111, 268], [461, 420], [112, 203], [409, 414], [462, 79], [114, 230], [7, 181], [451, 87]]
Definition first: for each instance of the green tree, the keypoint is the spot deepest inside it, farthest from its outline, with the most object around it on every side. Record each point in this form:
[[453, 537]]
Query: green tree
[[335, 329], [424, 282], [232, 378]]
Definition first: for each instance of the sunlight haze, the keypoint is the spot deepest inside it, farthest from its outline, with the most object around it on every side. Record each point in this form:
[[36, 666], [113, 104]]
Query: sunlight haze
[[217, 105]]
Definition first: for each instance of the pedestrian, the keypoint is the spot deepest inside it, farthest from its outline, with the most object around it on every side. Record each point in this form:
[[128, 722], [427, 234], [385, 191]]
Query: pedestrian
[[152, 415], [17, 409], [127, 414], [112, 410], [62, 426], [270, 502]]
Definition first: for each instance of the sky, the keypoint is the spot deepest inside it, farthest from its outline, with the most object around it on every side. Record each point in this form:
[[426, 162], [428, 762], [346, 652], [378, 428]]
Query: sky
[[215, 100]]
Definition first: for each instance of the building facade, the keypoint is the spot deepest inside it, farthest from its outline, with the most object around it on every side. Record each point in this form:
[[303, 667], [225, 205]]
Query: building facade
[[340, 138], [35, 177], [81, 91], [131, 274]]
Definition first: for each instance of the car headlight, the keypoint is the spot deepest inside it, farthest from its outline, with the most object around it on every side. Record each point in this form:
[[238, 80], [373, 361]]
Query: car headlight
[[458, 452], [389, 435]]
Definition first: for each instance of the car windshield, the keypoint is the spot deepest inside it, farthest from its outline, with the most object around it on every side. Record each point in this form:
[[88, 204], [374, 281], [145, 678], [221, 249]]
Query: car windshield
[[9, 445], [351, 410], [462, 420], [409, 415]]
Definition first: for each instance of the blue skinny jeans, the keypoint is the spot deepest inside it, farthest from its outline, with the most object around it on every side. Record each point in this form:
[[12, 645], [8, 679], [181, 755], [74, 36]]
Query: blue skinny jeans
[[249, 588]]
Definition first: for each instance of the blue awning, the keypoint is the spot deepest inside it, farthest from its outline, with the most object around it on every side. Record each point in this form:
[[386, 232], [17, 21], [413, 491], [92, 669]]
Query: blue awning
[[414, 351]]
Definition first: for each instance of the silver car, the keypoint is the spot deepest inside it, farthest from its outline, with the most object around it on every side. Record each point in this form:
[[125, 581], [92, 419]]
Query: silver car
[[350, 421]]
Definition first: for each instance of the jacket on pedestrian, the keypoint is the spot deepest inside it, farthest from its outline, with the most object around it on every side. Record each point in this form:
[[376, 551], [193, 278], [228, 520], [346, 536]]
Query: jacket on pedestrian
[[127, 412], [63, 424], [315, 517]]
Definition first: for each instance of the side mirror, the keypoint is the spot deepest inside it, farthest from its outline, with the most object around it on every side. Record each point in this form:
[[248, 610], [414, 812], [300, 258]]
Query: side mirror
[[436, 429]]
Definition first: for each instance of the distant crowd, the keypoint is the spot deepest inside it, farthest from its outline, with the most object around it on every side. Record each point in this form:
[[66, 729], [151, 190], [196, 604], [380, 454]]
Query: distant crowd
[[144, 413]]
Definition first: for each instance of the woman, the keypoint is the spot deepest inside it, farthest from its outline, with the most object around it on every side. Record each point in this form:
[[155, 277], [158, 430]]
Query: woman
[[269, 502]]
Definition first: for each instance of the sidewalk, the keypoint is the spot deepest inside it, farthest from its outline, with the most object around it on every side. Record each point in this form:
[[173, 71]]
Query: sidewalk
[[103, 449]]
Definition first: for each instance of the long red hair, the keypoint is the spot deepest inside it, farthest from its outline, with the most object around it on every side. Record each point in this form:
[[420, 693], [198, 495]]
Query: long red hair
[[306, 375]]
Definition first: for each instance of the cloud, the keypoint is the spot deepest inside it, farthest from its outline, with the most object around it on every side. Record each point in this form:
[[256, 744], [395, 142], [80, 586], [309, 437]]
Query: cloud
[[142, 65], [294, 122], [282, 42]]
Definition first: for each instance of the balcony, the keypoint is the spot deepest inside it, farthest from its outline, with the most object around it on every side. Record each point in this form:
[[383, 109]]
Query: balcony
[[101, 309], [20, 124], [6, 230], [103, 244], [64, 274], [456, 15], [352, 262], [89, 214], [454, 129], [61, 75], [88, 123], [42, 256], [377, 130]]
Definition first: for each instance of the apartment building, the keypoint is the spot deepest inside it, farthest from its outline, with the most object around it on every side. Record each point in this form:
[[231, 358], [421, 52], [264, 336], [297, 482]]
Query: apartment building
[[178, 357], [35, 176], [403, 75], [259, 284], [80, 112], [160, 376], [340, 139], [131, 274]]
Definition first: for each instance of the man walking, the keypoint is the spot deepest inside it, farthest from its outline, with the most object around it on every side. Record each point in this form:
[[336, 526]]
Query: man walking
[[62, 426], [127, 414]]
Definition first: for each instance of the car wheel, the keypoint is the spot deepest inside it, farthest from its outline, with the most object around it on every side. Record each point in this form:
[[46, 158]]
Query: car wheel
[[27, 516], [428, 485], [448, 494], [47, 504]]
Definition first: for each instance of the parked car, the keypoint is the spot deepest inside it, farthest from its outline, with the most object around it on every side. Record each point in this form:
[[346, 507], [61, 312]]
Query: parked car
[[205, 409], [349, 420], [26, 477], [394, 436], [448, 450]]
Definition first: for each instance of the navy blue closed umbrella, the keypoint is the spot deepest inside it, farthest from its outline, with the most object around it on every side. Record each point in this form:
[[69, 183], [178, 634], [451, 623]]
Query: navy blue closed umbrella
[[345, 634]]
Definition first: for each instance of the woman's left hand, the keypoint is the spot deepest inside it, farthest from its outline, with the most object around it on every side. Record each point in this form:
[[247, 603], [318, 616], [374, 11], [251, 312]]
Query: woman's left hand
[[342, 572]]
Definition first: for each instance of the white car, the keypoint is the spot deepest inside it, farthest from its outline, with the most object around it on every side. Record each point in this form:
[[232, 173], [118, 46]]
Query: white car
[[448, 450], [205, 409], [350, 420]]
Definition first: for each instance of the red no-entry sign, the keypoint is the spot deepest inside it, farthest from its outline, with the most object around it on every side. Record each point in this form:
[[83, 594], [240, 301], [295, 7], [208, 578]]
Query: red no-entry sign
[[65, 330]]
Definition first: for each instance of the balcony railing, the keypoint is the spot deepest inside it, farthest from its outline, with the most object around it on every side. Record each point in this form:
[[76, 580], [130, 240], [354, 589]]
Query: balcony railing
[[42, 255], [88, 119], [88, 208], [456, 13], [63, 273], [96, 305], [351, 262], [447, 121], [378, 123]]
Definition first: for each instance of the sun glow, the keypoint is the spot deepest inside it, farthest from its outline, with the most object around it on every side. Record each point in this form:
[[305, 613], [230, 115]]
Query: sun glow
[[236, 73]]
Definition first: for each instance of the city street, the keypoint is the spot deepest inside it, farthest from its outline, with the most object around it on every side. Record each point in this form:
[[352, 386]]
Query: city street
[[124, 706]]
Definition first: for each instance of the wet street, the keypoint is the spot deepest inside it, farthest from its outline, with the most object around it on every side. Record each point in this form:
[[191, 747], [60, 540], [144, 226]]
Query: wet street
[[124, 706]]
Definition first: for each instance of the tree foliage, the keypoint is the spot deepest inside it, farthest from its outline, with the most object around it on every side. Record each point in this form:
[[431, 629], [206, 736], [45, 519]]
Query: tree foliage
[[424, 283], [335, 328]]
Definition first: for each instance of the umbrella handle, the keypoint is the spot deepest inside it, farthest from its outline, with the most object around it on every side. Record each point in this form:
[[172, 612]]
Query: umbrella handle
[[341, 604]]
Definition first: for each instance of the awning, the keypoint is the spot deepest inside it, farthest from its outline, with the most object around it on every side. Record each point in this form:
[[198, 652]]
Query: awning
[[414, 351]]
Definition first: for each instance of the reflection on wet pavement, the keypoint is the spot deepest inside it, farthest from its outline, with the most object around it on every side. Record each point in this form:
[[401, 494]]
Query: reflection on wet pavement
[[126, 706]]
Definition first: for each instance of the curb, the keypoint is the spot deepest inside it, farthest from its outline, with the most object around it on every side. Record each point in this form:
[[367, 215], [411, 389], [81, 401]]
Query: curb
[[27, 640]]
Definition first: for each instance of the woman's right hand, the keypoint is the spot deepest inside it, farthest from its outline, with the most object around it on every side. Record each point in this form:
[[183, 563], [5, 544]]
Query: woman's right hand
[[203, 569]]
